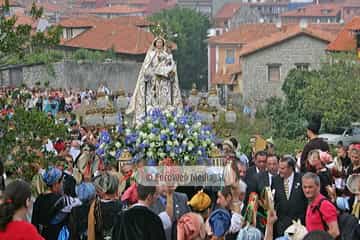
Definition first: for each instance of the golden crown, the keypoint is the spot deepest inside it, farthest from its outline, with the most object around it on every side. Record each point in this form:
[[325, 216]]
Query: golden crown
[[158, 31]]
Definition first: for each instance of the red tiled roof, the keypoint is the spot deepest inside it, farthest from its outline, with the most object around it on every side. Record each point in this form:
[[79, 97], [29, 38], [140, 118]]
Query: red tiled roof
[[123, 38], [49, 7], [85, 21], [131, 20], [157, 5], [90, 21], [244, 34], [345, 40], [87, 1], [354, 24], [314, 10], [288, 32], [352, 3], [226, 77], [25, 20], [227, 11], [138, 2], [117, 9]]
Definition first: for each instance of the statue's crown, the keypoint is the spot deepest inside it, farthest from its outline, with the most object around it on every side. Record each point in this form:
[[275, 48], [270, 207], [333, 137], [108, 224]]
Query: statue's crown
[[158, 31]]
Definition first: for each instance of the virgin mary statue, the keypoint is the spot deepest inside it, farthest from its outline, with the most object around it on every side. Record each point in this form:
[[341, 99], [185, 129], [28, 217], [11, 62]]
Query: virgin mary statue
[[157, 84]]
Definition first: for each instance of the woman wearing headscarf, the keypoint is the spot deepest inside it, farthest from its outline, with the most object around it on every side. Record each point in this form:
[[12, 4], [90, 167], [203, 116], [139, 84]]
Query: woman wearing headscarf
[[51, 208], [219, 222], [78, 220], [103, 210], [192, 225]]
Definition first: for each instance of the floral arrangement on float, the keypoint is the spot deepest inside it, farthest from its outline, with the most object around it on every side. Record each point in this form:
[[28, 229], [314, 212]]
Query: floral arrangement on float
[[176, 135]]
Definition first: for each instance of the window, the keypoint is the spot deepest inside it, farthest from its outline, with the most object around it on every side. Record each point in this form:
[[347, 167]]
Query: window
[[302, 66], [231, 88], [69, 33], [274, 72], [230, 56]]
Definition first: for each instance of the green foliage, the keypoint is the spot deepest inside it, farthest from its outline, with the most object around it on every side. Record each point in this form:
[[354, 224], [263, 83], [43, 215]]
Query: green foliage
[[331, 91], [45, 40], [35, 11], [12, 39], [89, 55], [44, 57], [285, 122], [334, 91], [22, 138], [17, 41], [188, 29], [111, 53], [289, 146], [244, 128]]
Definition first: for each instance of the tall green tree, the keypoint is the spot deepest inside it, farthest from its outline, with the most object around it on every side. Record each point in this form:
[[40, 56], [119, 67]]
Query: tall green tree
[[19, 40], [332, 91], [188, 29]]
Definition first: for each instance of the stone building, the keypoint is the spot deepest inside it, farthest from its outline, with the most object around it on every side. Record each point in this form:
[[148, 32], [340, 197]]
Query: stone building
[[267, 62]]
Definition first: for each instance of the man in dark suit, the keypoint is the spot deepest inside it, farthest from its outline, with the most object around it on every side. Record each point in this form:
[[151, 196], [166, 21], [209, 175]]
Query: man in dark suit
[[264, 179], [180, 206], [260, 166], [289, 199], [179, 199]]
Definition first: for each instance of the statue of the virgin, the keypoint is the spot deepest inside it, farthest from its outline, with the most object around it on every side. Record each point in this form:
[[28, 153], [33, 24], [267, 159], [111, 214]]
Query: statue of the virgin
[[157, 84]]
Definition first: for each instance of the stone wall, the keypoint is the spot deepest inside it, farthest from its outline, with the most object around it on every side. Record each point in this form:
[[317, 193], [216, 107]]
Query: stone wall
[[301, 49], [79, 75]]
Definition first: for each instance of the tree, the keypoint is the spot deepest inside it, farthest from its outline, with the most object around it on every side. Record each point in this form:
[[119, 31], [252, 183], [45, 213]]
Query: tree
[[19, 40], [188, 29], [22, 137], [332, 91]]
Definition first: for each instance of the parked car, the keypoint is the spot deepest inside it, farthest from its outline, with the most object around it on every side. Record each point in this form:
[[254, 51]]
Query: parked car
[[346, 135]]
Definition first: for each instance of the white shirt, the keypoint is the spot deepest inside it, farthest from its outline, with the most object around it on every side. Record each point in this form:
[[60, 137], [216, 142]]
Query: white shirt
[[270, 178], [236, 222], [290, 181]]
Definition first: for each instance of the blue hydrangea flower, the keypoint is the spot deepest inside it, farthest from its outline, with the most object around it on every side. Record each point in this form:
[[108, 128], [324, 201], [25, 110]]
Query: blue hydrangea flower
[[155, 131], [105, 137], [118, 153], [163, 137]]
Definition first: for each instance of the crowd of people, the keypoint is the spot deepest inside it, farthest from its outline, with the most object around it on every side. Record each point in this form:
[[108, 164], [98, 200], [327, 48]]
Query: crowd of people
[[314, 195]]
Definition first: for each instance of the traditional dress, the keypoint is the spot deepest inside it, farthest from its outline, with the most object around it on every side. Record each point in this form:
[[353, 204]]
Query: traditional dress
[[157, 85]]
